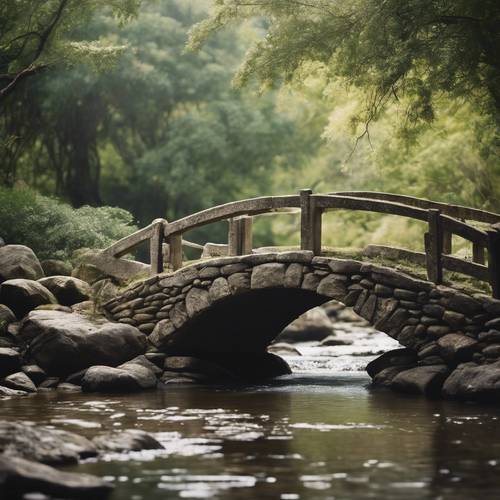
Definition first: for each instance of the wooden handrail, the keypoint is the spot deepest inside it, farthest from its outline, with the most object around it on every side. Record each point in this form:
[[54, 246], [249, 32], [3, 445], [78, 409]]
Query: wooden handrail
[[442, 220], [457, 211]]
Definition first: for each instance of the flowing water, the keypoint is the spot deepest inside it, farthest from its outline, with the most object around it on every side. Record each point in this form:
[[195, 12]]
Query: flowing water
[[317, 434]]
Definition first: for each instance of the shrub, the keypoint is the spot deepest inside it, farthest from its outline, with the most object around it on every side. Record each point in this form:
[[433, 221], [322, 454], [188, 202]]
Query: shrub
[[54, 229]]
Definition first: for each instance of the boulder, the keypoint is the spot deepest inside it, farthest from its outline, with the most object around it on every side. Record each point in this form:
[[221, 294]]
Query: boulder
[[426, 380], [470, 381], [313, 325], [19, 262], [19, 477], [23, 295], [332, 340], [54, 267], [384, 377], [456, 348], [104, 290], [10, 361], [35, 373], [283, 349], [396, 357], [66, 289], [129, 377], [43, 444], [125, 441], [20, 382], [6, 317], [6, 392], [63, 343]]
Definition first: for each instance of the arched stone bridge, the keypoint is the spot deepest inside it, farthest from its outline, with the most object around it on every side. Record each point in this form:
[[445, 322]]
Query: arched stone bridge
[[240, 303]]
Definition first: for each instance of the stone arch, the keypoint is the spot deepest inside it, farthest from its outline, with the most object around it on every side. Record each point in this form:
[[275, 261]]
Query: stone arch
[[186, 310]]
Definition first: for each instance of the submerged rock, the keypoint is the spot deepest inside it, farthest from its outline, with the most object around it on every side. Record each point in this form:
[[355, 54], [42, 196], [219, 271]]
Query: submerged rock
[[474, 382], [63, 343], [23, 295], [18, 477], [426, 380], [396, 357], [126, 440], [19, 262], [43, 444]]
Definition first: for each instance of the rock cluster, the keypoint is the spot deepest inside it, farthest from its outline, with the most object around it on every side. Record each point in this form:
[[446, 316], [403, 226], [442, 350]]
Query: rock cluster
[[28, 454]]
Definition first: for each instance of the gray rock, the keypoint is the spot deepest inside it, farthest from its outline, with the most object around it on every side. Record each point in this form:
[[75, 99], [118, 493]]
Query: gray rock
[[19, 477], [6, 317], [397, 279], [492, 351], [396, 357], [19, 262], [331, 340], [384, 377], [67, 387], [344, 266], [239, 282], [283, 349], [459, 302], [219, 290], [474, 382], [104, 290], [310, 281], [426, 380], [271, 275], [6, 392], [162, 333], [67, 289], [10, 361], [54, 267], [125, 441], [129, 377], [62, 343], [20, 382], [489, 336], [293, 275], [332, 287], [43, 444], [456, 348], [312, 325], [23, 295], [196, 301]]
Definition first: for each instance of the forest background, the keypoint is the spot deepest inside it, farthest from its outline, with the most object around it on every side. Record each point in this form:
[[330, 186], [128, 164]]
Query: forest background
[[115, 113]]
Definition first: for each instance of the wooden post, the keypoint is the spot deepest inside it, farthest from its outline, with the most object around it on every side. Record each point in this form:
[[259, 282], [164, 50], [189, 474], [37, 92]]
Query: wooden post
[[175, 242], [494, 260], [239, 237], [447, 236], [233, 240], [310, 223], [156, 248], [477, 253], [246, 235], [434, 247]]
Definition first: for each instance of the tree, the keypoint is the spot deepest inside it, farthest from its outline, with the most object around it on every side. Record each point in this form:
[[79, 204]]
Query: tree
[[406, 51], [34, 36]]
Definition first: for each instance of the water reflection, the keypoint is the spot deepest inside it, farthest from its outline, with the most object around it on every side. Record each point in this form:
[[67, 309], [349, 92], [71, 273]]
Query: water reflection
[[302, 437]]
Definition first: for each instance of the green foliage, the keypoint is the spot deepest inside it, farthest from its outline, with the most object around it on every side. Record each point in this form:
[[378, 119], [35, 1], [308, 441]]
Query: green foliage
[[406, 51], [36, 35], [55, 230]]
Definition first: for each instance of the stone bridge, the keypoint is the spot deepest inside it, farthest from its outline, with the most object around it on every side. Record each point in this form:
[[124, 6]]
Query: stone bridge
[[241, 302]]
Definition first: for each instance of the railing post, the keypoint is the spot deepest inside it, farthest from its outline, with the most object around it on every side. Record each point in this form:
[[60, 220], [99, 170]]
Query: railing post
[[477, 253], [233, 240], [434, 247], [155, 247], [447, 236], [246, 235], [175, 242], [310, 223], [494, 260], [239, 238]]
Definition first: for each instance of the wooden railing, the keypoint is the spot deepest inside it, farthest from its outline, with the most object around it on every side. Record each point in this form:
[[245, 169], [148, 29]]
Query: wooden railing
[[442, 221]]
